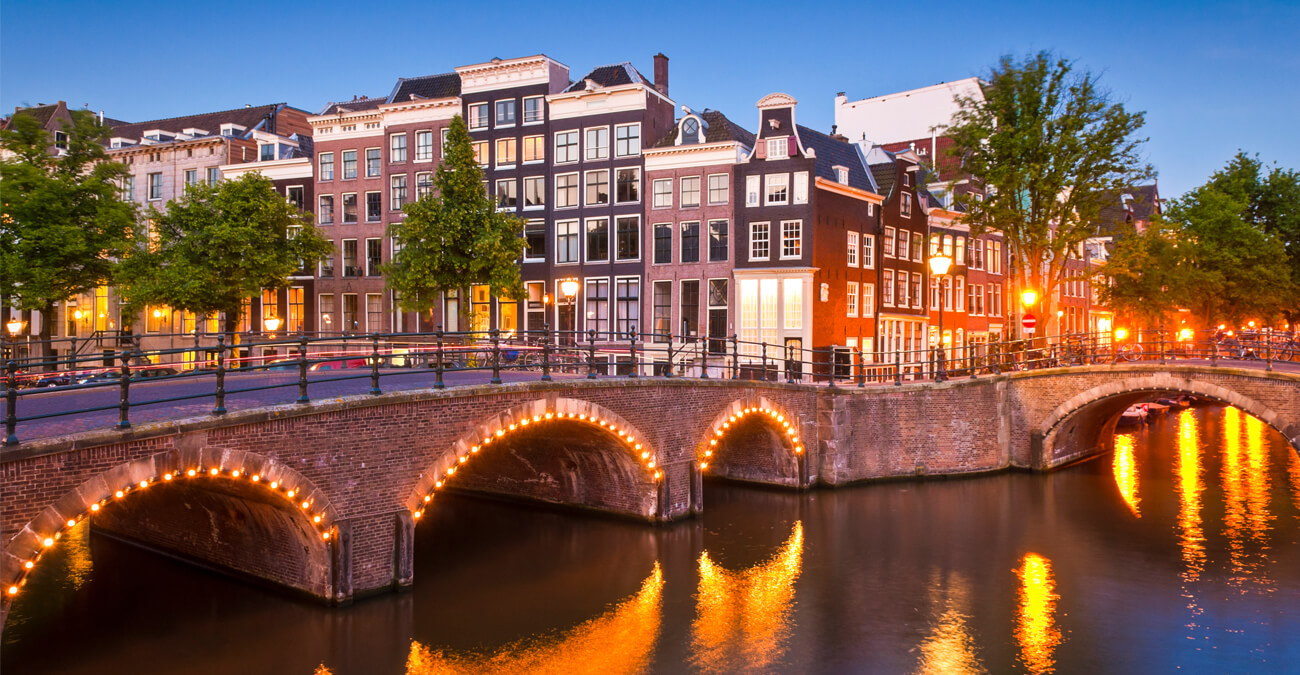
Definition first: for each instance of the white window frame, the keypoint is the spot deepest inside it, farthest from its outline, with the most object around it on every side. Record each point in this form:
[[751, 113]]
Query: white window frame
[[541, 110], [578, 232], [486, 117], [681, 185], [778, 148], [868, 299], [779, 181], [615, 140], [868, 251], [666, 193], [799, 193], [797, 240], [418, 134], [609, 189], [851, 300], [496, 113], [753, 190], [523, 197], [600, 152], [764, 228], [725, 188], [576, 147], [851, 249], [577, 182], [392, 147]]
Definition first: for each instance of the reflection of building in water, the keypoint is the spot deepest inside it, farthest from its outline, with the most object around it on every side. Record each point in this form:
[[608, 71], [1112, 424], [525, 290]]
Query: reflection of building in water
[[1191, 537], [1246, 491], [1293, 470], [950, 646], [621, 640], [743, 618], [1036, 628], [1126, 472]]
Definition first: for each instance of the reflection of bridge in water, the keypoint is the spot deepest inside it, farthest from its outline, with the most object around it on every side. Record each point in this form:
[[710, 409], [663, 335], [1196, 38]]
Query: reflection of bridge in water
[[323, 497]]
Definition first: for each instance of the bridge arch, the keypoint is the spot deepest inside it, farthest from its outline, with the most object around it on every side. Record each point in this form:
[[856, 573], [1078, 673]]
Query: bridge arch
[[754, 420], [498, 429], [236, 473], [1075, 428]]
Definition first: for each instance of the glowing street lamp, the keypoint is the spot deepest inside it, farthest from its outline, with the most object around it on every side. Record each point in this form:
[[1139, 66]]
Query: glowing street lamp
[[1028, 297], [14, 327], [939, 266], [271, 324], [569, 287]]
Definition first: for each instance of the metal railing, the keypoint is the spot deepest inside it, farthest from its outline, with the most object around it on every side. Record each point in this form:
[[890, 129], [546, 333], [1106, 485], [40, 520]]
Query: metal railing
[[482, 357]]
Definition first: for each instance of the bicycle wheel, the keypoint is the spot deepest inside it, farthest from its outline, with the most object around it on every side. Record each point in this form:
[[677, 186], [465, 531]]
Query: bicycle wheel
[[1131, 351]]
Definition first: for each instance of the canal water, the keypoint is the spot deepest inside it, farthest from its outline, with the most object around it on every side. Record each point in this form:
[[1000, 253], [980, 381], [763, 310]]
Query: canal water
[[1178, 551]]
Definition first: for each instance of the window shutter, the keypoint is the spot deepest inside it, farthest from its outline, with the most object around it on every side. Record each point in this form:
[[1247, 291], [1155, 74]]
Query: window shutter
[[793, 148], [760, 149]]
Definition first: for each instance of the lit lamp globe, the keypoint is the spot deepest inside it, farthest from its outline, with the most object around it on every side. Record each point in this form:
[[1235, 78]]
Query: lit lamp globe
[[14, 326], [1028, 297], [940, 264], [272, 324], [569, 287]]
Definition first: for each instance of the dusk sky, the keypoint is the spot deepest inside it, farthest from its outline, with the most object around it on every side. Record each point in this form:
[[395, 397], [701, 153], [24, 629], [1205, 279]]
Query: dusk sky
[[1212, 77]]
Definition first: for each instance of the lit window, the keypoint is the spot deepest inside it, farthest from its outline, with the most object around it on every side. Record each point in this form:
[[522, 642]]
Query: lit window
[[507, 149], [478, 116], [534, 149], [791, 239]]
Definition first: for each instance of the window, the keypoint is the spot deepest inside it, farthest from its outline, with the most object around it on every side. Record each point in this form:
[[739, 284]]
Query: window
[[535, 302], [778, 148], [903, 241], [325, 214], [325, 305], [350, 267], [907, 179], [374, 313], [423, 146], [663, 193], [327, 264], [759, 241], [506, 113], [191, 176], [778, 188], [889, 242], [326, 166], [868, 251], [374, 206], [905, 206], [868, 300], [507, 151], [629, 185], [266, 152], [350, 311], [478, 116], [480, 152], [597, 187], [61, 140], [155, 186], [566, 241], [791, 239], [598, 306], [350, 207], [533, 110], [663, 310], [934, 245], [690, 192], [629, 304], [374, 256], [627, 140], [852, 251], [691, 242], [887, 288], [916, 289], [947, 294], [917, 246], [566, 147], [959, 296], [752, 190], [690, 131], [534, 192], [901, 288], [598, 143], [214, 173], [628, 238], [663, 243], [947, 245], [442, 149], [792, 290], [934, 292], [128, 188], [852, 299], [534, 149], [397, 148], [719, 188], [690, 307], [423, 184], [349, 164], [717, 314], [801, 188], [507, 197], [535, 237], [566, 190], [961, 251], [841, 175], [977, 254], [597, 240], [397, 198], [294, 195], [718, 250], [373, 162]]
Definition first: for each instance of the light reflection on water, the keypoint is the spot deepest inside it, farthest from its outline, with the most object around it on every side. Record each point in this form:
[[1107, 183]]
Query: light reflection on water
[[951, 645], [1126, 472], [1247, 519], [1036, 628]]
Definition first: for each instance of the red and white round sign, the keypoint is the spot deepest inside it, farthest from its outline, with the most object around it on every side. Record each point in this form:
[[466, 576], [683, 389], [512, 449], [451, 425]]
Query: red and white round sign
[[1029, 321]]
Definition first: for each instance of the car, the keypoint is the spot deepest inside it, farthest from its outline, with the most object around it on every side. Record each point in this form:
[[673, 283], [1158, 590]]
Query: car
[[51, 380], [101, 376], [341, 364], [281, 364]]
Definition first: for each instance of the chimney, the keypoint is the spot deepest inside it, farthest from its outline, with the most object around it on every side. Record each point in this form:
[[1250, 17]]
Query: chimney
[[661, 73]]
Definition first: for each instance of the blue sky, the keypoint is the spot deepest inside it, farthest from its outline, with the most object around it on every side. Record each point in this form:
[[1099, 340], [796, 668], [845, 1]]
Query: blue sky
[[1212, 77]]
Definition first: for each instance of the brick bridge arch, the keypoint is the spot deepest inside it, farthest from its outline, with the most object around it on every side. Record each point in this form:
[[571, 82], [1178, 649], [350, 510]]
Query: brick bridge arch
[[770, 436], [498, 429], [278, 502]]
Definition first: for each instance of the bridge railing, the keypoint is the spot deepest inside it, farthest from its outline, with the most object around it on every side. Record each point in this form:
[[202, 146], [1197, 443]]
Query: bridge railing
[[254, 364]]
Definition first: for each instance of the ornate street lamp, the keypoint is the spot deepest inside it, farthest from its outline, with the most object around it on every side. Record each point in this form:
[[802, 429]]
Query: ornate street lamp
[[939, 266], [271, 324]]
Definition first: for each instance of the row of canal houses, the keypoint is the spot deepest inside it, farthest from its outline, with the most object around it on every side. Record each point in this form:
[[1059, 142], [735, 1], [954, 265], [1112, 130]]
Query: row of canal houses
[[661, 218]]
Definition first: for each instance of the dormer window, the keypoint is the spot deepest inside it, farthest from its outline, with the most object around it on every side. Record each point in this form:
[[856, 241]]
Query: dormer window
[[266, 152], [842, 175], [60, 140], [195, 133], [778, 148], [231, 130], [907, 179], [690, 131]]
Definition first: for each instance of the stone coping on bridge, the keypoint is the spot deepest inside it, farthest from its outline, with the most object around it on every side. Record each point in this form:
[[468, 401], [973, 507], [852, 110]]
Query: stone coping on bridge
[[88, 439]]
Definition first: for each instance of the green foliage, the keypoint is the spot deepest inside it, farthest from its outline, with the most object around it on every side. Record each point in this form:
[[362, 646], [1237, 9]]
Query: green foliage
[[1051, 148], [218, 245], [63, 225], [1150, 275], [455, 238]]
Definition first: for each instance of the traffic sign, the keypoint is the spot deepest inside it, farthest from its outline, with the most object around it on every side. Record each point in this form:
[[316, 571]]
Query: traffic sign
[[1028, 322]]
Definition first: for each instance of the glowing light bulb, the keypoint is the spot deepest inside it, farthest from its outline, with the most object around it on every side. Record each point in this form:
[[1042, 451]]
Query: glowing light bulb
[[118, 494], [275, 484], [257, 477], [713, 441], [548, 416], [94, 507], [167, 476], [512, 427], [726, 425], [29, 564], [582, 416], [325, 535], [305, 504], [651, 465], [474, 449], [708, 453], [658, 475], [418, 514], [315, 519], [500, 433], [537, 418], [645, 455], [461, 459], [234, 474], [638, 446], [427, 498], [214, 472], [291, 493], [13, 590], [704, 465], [144, 483], [190, 473], [487, 440], [48, 542], [437, 484], [451, 471], [72, 523], [798, 448]]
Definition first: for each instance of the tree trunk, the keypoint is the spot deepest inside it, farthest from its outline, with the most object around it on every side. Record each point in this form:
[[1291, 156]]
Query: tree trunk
[[463, 313], [231, 329]]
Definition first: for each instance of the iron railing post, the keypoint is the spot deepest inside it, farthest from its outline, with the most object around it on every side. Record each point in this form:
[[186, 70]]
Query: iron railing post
[[735, 356], [1214, 350], [124, 400], [1268, 353], [438, 367], [496, 356], [631, 336], [898, 369], [765, 360], [942, 373], [219, 407], [704, 358], [591, 354], [862, 368], [11, 404], [996, 357], [374, 365], [546, 352], [302, 371], [1160, 337]]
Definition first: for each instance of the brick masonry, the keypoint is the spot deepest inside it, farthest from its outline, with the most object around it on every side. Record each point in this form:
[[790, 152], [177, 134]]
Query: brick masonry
[[364, 464]]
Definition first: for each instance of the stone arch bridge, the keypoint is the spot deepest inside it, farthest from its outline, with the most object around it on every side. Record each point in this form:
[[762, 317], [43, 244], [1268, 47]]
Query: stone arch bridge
[[323, 498]]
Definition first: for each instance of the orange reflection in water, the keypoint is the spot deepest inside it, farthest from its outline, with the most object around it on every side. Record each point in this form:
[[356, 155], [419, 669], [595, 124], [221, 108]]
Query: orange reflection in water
[[1293, 470], [950, 646], [1126, 472], [1036, 628], [621, 640], [743, 618], [1246, 488], [1190, 487]]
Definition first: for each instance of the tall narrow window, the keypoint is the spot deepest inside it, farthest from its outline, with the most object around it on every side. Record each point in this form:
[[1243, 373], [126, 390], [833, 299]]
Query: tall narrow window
[[718, 246], [423, 184], [793, 303], [627, 140], [325, 212], [851, 299], [663, 243], [597, 240], [663, 311], [800, 188], [397, 148], [690, 191], [350, 312], [507, 151], [507, 198], [851, 253], [350, 207], [760, 241], [374, 313], [566, 241], [691, 241], [598, 143], [597, 187], [535, 237], [629, 185], [752, 188], [566, 190], [628, 244], [349, 164], [868, 299], [373, 162], [690, 308], [374, 256], [424, 146], [374, 206], [717, 315], [534, 192], [350, 267], [719, 186], [325, 307], [791, 239], [597, 308], [398, 197], [566, 147], [629, 305]]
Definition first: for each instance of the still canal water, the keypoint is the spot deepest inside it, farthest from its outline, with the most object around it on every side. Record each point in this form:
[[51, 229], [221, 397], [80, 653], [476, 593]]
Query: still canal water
[[1178, 551]]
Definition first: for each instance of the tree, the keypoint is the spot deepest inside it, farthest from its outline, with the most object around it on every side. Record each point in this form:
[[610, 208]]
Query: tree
[[1051, 148], [1149, 275], [64, 225], [218, 245], [455, 238]]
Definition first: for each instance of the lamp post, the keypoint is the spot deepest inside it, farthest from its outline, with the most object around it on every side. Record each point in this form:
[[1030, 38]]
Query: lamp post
[[14, 327], [939, 266], [569, 287]]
